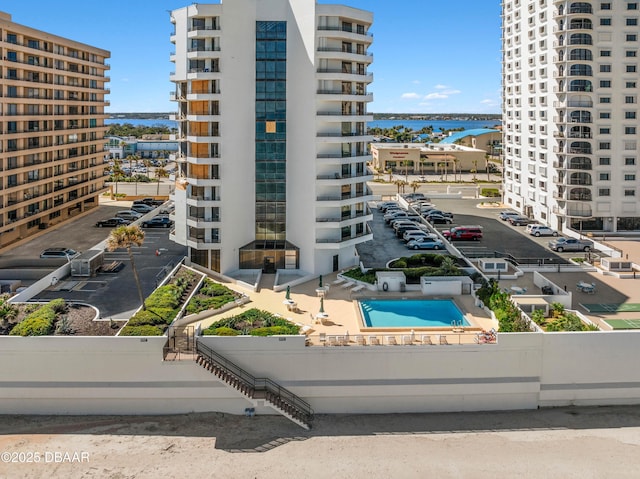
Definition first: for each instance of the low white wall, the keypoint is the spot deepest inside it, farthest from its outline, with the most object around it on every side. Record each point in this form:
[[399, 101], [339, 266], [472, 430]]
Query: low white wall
[[120, 375]]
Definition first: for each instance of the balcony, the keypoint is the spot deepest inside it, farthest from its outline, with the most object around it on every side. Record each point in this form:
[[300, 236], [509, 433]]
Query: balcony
[[337, 243]]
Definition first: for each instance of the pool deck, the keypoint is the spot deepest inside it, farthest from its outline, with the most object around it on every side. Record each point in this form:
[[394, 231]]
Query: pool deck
[[343, 321]]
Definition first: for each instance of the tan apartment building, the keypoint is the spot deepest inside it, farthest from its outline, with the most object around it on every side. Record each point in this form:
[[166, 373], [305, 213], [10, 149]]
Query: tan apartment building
[[426, 159], [52, 101]]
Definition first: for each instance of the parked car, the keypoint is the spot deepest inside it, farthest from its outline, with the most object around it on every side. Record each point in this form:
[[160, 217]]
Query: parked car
[[128, 215], [417, 235], [473, 233], [426, 243], [112, 222], [438, 212], [395, 214], [59, 253], [402, 229], [392, 205], [540, 230], [530, 226], [439, 220], [570, 244], [395, 224], [387, 204], [168, 208], [519, 220], [148, 201], [142, 208], [157, 222], [505, 215]]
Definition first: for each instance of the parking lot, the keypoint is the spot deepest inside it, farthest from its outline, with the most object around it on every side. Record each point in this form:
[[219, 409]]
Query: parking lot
[[112, 293], [498, 236]]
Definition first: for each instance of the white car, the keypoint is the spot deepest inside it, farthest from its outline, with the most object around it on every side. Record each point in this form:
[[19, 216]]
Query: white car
[[540, 230], [417, 235]]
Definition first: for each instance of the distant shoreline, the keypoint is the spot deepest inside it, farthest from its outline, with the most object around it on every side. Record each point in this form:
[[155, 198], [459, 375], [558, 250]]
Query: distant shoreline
[[376, 116]]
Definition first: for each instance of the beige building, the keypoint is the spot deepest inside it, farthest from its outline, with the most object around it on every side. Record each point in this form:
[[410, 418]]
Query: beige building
[[426, 159], [52, 122]]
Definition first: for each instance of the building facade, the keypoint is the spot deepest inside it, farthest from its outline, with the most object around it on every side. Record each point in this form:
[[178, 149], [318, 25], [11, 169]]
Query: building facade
[[427, 158], [570, 101], [52, 121], [272, 110]]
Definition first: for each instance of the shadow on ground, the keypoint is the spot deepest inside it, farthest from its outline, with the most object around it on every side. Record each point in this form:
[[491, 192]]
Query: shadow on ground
[[234, 433]]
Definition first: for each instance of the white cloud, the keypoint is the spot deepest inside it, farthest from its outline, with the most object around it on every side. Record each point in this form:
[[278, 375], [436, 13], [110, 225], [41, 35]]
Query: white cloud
[[441, 87], [487, 102], [410, 96], [451, 92], [433, 96], [416, 82]]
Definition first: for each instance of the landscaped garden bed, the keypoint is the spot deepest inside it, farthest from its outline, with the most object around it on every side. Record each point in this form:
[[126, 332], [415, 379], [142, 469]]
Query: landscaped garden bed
[[253, 322], [211, 296], [414, 267], [162, 306], [56, 318]]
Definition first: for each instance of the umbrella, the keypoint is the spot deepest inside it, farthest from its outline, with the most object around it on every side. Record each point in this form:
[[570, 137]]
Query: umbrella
[[320, 284], [322, 305], [288, 295]]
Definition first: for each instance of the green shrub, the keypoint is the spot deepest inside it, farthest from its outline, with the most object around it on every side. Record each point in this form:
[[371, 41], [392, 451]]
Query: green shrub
[[147, 317], [490, 192], [356, 274], [251, 320], [40, 322], [401, 263], [222, 331], [274, 330], [142, 330], [58, 305]]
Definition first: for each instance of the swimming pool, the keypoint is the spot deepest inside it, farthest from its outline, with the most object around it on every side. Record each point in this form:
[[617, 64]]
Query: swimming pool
[[411, 313]]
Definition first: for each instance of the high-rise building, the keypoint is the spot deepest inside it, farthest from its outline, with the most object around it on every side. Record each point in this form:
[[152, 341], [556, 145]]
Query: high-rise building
[[570, 112], [52, 128], [272, 111]]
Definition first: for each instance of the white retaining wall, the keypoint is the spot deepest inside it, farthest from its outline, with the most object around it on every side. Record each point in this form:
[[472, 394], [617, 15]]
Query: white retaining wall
[[122, 375]]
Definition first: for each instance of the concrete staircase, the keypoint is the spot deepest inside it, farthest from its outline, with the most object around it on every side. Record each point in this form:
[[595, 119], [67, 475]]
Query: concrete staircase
[[254, 389]]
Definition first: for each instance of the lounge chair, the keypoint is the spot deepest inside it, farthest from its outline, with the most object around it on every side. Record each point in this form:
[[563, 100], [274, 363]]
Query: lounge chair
[[360, 287], [332, 341], [306, 330], [348, 284], [392, 340], [360, 340], [407, 339], [374, 341], [339, 281], [426, 339], [443, 339], [344, 340], [323, 339]]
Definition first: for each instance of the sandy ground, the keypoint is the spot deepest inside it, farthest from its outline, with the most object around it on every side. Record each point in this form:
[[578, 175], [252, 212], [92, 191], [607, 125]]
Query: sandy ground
[[564, 443]]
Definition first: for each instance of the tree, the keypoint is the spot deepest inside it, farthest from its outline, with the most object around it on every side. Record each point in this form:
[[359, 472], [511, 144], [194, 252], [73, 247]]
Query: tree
[[486, 164], [415, 185], [160, 173], [389, 171], [400, 184], [457, 170], [475, 169], [117, 173], [125, 237], [147, 164], [132, 159], [406, 164]]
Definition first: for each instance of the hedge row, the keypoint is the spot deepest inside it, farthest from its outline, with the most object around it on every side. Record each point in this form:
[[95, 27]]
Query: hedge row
[[40, 322], [254, 322]]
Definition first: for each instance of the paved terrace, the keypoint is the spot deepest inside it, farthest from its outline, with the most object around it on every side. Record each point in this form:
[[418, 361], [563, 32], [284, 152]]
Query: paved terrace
[[343, 317]]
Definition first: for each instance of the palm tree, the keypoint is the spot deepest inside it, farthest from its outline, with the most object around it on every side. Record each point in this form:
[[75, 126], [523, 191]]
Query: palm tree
[[406, 164], [456, 169], [134, 158], [486, 163], [400, 184], [415, 185], [127, 236], [147, 164], [160, 173], [117, 173], [475, 169], [389, 172]]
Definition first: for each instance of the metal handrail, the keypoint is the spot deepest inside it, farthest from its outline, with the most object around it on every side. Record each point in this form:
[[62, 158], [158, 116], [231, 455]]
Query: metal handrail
[[258, 384]]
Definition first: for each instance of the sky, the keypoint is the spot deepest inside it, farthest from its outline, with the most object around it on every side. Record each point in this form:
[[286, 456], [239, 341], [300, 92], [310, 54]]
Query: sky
[[429, 56]]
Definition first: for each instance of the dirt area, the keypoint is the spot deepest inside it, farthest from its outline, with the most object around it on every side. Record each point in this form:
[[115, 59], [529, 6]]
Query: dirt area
[[79, 321], [564, 442]]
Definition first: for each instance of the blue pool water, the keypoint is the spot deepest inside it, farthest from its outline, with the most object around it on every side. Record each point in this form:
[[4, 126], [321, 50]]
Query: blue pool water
[[411, 313]]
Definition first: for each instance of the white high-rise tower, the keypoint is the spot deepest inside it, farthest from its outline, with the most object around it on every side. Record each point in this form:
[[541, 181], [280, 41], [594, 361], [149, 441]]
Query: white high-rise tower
[[570, 112]]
